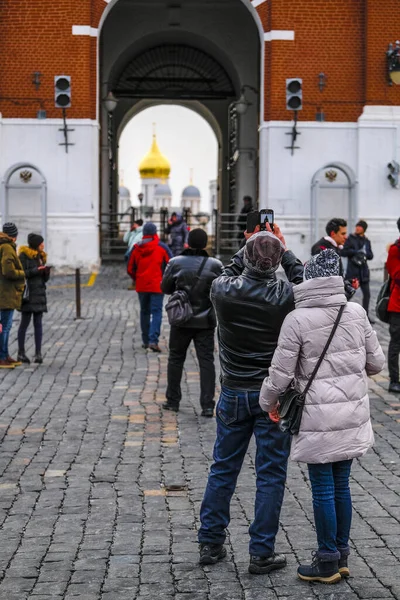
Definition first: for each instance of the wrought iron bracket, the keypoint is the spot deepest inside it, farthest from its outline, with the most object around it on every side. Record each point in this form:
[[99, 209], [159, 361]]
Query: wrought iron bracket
[[66, 131], [294, 133]]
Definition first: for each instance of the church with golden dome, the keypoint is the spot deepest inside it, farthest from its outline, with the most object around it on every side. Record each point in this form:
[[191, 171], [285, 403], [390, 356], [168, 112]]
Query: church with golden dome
[[154, 172]]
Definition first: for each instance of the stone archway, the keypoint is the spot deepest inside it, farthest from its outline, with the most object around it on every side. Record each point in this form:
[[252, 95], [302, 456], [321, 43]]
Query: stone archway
[[233, 41], [333, 194], [24, 199]]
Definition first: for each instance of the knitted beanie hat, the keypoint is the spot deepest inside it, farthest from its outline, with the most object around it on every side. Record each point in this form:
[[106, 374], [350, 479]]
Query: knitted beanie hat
[[362, 224], [10, 229], [263, 253], [197, 239], [149, 229], [325, 264], [34, 240]]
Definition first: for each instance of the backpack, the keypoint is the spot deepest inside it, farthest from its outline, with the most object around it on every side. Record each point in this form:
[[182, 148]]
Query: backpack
[[382, 301], [178, 307]]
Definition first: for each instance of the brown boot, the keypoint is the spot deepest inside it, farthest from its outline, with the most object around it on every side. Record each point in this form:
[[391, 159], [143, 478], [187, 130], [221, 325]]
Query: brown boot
[[155, 347], [12, 361], [4, 364]]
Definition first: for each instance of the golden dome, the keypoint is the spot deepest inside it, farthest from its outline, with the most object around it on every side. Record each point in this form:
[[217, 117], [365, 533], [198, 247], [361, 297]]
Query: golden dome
[[154, 165]]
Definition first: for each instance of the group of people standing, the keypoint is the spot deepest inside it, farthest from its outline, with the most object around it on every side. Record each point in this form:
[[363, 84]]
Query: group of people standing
[[271, 335], [23, 277]]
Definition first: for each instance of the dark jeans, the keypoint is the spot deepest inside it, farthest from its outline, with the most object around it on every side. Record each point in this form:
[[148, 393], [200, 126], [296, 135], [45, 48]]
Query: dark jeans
[[394, 347], [179, 342], [332, 506], [239, 416], [6, 318], [38, 328], [151, 306], [366, 295]]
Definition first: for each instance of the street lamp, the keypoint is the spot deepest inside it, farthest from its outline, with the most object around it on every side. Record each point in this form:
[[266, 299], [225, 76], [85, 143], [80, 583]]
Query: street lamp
[[243, 103], [110, 102], [140, 198], [393, 62]]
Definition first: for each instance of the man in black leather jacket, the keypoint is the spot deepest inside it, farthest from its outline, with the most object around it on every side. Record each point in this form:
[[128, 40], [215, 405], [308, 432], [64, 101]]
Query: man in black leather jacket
[[358, 250], [251, 307], [181, 274]]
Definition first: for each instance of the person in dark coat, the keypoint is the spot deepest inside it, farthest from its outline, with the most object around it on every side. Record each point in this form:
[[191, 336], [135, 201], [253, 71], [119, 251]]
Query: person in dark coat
[[358, 250], [181, 274], [34, 303], [178, 232], [242, 218], [250, 309], [336, 235]]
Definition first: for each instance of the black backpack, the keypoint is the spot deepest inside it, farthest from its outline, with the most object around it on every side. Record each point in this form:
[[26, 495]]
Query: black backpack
[[382, 302]]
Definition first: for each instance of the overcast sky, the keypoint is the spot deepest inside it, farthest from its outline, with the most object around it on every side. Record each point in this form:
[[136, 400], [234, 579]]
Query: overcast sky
[[184, 137]]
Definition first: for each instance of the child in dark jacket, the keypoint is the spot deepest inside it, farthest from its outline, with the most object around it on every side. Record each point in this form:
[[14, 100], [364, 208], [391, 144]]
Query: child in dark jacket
[[34, 302]]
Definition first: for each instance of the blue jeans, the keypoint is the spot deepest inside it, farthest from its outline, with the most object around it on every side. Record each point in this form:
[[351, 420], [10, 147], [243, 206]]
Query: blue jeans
[[151, 306], [6, 318], [332, 506], [239, 416]]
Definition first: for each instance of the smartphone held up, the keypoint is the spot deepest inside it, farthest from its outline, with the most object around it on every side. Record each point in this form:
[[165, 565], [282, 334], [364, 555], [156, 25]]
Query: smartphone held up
[[260, 218]]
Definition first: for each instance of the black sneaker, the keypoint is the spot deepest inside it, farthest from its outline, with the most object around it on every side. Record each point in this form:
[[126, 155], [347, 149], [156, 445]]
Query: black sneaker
[[394, 388], [343, 567], [22, 357], [260, 565], [38, 358], [169, 406], [207, 412], [322, 571], [211, 553]]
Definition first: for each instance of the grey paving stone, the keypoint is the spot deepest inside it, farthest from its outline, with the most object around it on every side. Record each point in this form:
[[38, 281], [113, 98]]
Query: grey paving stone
[[86, 515]]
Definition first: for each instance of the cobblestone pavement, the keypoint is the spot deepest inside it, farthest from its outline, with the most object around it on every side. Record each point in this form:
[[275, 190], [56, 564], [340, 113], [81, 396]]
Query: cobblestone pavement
[[100, 490]]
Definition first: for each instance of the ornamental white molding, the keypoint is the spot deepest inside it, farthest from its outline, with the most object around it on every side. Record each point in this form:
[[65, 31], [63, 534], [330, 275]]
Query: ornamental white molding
[[84, 30], [279, 34]]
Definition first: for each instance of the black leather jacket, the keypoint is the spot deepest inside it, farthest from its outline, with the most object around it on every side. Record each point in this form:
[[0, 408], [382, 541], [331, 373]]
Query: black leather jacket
[[180, 274], [353, 246], [250, 310]]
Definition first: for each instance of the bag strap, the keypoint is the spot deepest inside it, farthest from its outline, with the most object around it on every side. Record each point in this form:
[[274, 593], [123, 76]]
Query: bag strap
[[324, 351], [198, 274]]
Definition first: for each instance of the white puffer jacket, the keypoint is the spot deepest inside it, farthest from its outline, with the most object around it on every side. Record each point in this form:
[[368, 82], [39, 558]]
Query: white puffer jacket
[[336, 419]]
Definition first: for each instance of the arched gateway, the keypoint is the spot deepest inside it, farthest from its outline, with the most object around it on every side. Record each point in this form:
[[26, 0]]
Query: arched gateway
[[202, 59]]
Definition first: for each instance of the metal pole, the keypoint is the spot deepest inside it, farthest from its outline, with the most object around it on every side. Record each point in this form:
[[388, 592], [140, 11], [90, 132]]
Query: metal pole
[[78, 293]]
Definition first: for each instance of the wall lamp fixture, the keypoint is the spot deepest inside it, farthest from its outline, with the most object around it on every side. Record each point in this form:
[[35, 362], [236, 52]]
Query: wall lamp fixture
[[393, 63], [243, 103]]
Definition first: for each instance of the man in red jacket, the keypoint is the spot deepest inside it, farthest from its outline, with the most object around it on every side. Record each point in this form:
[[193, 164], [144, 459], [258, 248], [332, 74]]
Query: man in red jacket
[[393, 268], [146, 266]]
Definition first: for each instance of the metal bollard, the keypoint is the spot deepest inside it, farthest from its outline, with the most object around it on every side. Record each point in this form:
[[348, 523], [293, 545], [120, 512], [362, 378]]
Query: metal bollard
[[78, 293]]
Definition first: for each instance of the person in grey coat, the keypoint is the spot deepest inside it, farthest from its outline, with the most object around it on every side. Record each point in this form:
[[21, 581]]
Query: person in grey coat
[[335, 426]]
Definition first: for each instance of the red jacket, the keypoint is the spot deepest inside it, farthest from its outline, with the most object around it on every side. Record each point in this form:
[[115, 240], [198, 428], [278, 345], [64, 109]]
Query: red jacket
[[393, 268], [147, 263]]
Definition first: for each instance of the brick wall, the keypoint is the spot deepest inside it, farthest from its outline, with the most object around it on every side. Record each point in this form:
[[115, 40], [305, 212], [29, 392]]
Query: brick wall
[[344, 39], [37, 36]]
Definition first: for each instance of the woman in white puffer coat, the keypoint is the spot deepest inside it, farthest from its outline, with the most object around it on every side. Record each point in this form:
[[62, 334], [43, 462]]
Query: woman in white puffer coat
[[335, 426]]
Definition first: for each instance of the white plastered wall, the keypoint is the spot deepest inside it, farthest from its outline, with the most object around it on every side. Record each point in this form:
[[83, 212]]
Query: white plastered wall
[[72, 183], [365, 147]]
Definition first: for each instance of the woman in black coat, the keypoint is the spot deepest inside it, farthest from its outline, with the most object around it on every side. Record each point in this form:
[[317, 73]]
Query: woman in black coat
[[34, 302]]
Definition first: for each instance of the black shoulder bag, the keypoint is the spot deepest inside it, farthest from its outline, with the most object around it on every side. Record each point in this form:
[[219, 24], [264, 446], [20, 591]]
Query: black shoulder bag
[[291, 402], [178, 307]]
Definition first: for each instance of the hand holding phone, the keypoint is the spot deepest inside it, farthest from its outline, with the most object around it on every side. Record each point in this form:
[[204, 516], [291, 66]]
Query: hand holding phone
[[266, 216]]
